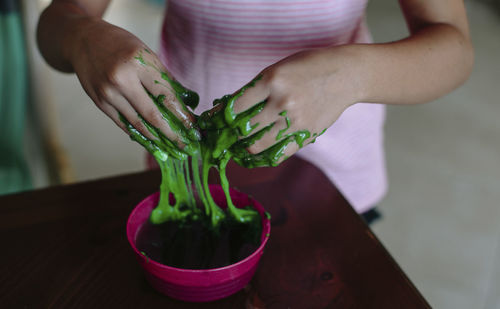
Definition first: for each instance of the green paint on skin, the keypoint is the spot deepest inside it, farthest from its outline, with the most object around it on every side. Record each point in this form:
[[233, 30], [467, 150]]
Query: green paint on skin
[[226, 135], [140, 59], [316, 135], [186, 96], [280, 133]]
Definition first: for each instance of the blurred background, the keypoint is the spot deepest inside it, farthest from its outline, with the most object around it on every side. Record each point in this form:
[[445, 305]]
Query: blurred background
[[441, 216]]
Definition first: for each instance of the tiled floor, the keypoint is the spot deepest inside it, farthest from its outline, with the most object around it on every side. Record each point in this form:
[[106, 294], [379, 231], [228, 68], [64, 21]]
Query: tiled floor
[[442, 212]]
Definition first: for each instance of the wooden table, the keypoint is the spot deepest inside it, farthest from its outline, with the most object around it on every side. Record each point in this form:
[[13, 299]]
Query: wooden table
[[66, 247]]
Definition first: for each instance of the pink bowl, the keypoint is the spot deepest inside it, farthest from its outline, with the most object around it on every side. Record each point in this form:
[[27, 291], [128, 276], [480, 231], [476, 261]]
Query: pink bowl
[[198, 285]]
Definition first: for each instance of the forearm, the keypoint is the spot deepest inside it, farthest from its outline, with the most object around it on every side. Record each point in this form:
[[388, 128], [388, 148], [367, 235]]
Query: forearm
[[430, 63], [59, 28]]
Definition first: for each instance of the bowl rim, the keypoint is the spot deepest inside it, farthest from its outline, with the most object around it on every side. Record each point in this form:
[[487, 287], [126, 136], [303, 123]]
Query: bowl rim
[[266, 230]]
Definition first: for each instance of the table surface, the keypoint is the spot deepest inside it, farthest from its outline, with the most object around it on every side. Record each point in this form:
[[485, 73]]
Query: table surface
[[66, 246]]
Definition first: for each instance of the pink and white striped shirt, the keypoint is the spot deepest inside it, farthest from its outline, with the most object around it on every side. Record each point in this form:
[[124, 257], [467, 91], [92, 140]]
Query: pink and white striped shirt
[[214, 47]]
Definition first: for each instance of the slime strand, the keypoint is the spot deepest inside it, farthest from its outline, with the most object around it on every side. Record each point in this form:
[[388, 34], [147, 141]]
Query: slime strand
[[225, 135]]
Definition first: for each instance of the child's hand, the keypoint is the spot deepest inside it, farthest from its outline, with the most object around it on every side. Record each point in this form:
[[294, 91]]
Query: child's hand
[[310, 92], [115, 68]]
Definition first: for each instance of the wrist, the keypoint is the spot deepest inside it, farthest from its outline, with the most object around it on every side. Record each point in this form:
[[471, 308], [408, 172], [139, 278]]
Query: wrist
[[368, 66], [352, 62], [75, 36], [361, 72]]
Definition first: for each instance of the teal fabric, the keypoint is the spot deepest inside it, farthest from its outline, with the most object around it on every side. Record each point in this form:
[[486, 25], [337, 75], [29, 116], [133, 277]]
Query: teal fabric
[[14, 172]]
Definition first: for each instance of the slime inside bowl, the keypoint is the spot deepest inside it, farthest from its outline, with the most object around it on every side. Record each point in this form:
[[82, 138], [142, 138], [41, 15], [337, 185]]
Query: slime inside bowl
[[198, 285]]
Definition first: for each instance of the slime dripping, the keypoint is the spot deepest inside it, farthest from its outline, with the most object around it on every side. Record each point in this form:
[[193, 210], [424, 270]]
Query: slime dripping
[[225, 135]]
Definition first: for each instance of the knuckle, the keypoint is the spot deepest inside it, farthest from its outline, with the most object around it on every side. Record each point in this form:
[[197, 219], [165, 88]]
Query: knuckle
[[299, 125], [276, 78], [129, 51], [169, 98], [136, 49], [112, 79], [122, 126], [286, 102], [154, 117], [137, 123], [104, 92], [102, 106], [114, 76], [270, 74], [280, 125], [99, 102]]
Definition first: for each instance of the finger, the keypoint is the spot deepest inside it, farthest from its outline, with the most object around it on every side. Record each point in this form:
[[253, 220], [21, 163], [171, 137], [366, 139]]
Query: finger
[[272, 156], [290, 150], [156, 85], [112, 113], [125, 125], [123, 106], [104, 106], [251, 96], [275, 134], [145, 106]]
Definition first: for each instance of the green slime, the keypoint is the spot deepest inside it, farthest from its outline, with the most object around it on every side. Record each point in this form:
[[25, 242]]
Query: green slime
[[226, 135]]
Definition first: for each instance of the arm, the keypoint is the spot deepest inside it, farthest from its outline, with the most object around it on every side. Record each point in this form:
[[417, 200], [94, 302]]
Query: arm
[[61, 24], [316, 86], [435, 59], [116, 69]]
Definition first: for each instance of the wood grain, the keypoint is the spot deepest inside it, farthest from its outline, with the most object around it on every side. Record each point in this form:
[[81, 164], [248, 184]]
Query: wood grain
[[66, 247]]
